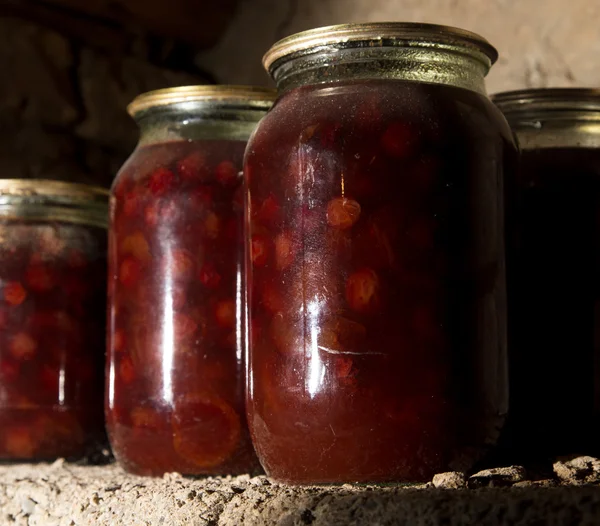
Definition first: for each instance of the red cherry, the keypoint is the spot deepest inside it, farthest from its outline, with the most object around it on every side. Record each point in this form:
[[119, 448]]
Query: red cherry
[[136, 245], [145, 417], [151, 214], [180, 264], [212, 225], [271, 299], [184, 327], [225, 313], [192, 167], [19, 442], [22, 346], [209, 276], [126, 370], [226, 173], [268, 211], [39, 278], [362, 291], [130, 203], [284, 251], [161, 181], [258, 250], [129, 272], [14, 293], [342, 213], [179, 297], [398, 140], [119, 340], [206, 430]]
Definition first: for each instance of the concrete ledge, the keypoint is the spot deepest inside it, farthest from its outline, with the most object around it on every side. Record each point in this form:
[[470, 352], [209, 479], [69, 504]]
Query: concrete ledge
[[64, 494]]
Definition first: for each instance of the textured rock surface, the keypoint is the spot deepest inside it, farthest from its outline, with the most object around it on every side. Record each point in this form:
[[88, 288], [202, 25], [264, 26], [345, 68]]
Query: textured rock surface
[[449, 480], [62, 106], [65, 494], [497, 477], [579, 470]]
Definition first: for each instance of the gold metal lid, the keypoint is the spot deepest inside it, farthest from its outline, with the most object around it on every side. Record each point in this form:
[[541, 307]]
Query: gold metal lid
[[253, 96], [548, 99], [553, 117], [44, 199], [379, 34]]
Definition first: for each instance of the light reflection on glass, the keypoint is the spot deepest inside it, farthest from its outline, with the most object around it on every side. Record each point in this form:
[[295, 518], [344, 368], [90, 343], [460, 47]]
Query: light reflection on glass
[[316, 370], [168, 333], [61, 386]]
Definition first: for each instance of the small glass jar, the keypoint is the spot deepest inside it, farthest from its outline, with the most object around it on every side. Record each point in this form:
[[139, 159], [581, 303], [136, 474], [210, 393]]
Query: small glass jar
[[175, 396], [554, 274], [52, 318], [376, 262]]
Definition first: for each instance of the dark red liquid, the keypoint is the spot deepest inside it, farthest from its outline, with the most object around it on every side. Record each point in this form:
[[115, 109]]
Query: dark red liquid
[[175, 395], [377, 281], [52, 326], [554, 293]]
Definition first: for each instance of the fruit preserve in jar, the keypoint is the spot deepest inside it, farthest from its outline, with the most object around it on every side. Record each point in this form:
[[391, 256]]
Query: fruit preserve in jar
[[554, 275], [376, 259], [52, 318], [175, 395]]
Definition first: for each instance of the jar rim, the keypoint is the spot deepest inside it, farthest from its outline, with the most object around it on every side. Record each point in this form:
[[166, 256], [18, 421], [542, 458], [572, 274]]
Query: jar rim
[[50, 200], [548, 99], [414, 34], [252, 96], [49, 189]]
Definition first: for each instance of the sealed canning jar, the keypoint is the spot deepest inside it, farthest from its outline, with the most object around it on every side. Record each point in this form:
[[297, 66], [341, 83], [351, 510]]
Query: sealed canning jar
[[554, 274], [376, 261], [52, 318], [175, 396]]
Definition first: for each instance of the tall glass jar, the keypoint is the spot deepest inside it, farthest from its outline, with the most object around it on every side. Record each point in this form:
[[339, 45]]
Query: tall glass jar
[[52, 318], [376, 262], [554, 274], [175, 367]]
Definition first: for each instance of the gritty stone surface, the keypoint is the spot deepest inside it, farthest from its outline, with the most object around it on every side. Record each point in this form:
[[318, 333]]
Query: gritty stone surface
[[579, 470], [62, 494], [450, 480], [497, 477]]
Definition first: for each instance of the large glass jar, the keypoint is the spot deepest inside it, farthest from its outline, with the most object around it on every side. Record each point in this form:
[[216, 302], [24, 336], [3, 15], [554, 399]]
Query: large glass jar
[[175, 397], [554, 274], [376, 262], [52, 318]]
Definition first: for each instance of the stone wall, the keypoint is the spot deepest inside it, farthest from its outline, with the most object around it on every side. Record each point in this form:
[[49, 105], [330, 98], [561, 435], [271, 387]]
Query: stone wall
[[62, 104]]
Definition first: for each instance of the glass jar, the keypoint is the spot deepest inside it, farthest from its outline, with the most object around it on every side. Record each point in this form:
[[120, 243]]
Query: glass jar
[[376, 262], [52, 318], [175, 397], [554, 274]]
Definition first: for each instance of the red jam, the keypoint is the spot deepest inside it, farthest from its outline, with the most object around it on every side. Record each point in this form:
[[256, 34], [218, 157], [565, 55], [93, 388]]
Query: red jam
[[175, 388], [554, 299], [52, 326], [376, 261]]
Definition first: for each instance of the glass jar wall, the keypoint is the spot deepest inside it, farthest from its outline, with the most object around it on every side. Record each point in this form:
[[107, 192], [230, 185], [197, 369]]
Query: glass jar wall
[[376, 265], [554, 274], [175, 367], [52, 318]]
